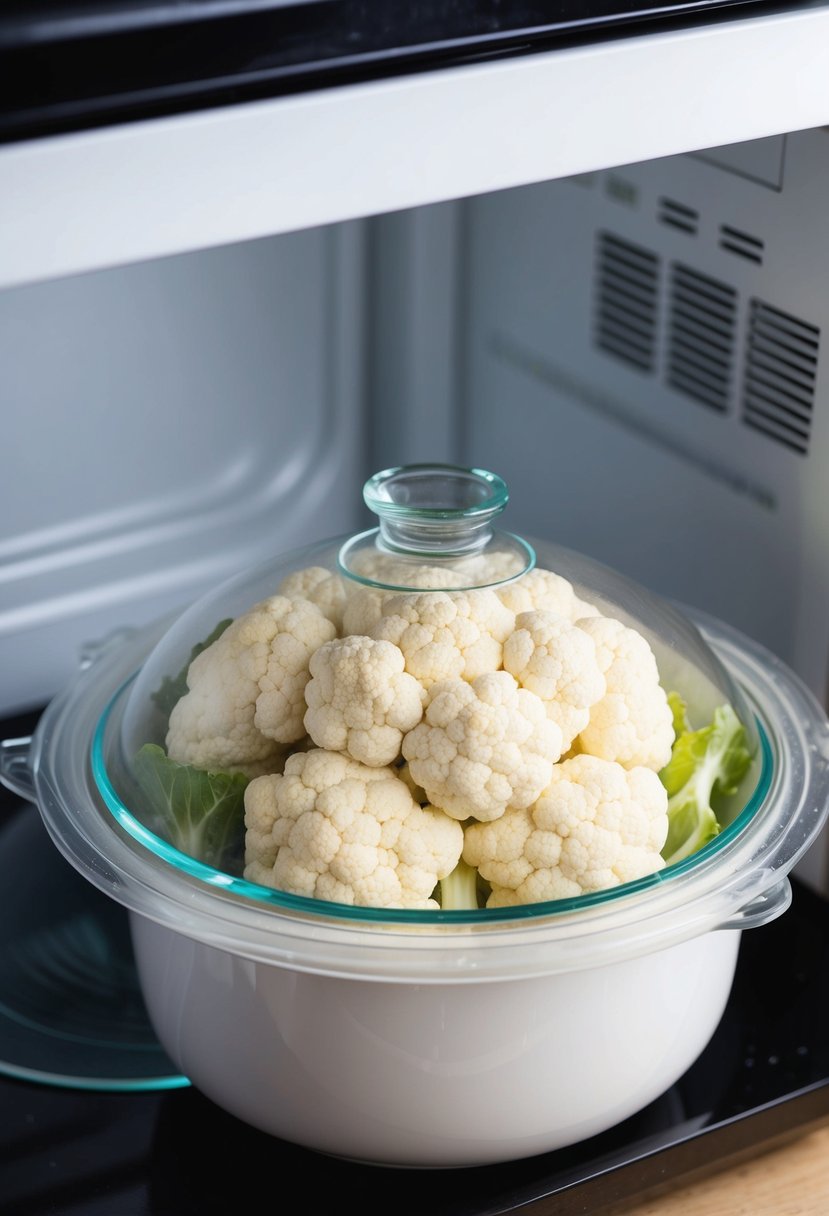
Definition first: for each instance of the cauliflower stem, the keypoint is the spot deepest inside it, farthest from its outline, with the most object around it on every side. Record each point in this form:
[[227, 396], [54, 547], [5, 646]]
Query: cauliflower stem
[[459, 890]]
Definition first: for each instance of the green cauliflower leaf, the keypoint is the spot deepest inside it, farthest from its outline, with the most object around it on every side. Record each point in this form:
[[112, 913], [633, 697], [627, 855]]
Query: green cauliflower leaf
[[200, 813], [680, 712], [704, 764]]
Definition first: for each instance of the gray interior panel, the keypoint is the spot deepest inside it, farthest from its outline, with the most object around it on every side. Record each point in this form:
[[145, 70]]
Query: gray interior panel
[[170, 423]]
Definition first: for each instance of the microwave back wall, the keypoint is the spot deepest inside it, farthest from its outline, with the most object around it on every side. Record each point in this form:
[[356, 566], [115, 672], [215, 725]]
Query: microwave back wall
[[640, 351]]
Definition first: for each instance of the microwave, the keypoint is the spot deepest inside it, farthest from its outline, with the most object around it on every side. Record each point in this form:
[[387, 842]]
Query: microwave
[[252, 252]]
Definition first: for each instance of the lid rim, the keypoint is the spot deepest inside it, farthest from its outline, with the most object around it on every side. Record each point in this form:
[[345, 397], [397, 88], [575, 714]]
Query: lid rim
[[493, 504]]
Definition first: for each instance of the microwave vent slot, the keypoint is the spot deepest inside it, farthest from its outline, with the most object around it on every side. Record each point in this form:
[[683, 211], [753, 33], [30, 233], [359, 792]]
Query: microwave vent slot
[[678, 215], [742, 244], [780, 376], [627, 301], [701, 332]]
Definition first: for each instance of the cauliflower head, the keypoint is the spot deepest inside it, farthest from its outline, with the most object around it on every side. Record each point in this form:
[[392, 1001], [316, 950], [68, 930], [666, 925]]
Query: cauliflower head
[[321, 587], [633, 722], [595, 826], [557, 661], [360, 700], [482, 746], [246, 691], [547, 591], [334, 829], [446, 634], [400, 745]]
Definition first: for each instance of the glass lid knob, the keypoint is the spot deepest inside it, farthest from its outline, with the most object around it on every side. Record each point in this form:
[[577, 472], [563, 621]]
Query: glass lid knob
[[440, 517]]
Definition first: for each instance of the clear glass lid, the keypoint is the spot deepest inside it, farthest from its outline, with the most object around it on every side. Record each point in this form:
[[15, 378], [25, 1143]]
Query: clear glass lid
[[341, 731]]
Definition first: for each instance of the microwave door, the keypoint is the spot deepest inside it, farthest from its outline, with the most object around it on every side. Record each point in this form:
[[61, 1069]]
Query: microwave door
[[79, 64], [159, 184]]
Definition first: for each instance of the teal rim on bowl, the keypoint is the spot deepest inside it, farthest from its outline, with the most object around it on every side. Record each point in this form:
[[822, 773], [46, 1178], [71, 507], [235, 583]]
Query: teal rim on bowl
[[221, 880]]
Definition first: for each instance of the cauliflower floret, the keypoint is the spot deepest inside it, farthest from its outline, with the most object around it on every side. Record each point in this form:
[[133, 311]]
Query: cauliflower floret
[[557, 661], [444, 634], [332, 828], [360, 700], [246, 691], [397, 572], [546, 591], [362, 609], [595, 826], [493, 566], [633, 722], [321, 587], [364, 605], [483, 746]]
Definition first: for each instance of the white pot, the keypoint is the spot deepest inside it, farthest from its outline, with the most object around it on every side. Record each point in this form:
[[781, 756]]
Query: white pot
[[433, 1075]]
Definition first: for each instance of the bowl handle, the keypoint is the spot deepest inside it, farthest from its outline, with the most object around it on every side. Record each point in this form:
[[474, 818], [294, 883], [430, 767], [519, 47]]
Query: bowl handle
[[15, 770], [763, 908]]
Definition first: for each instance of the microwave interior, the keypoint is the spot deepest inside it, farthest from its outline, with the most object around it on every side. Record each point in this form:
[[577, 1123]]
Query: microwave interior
[[639, 351]]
